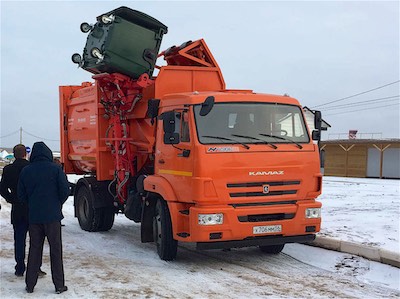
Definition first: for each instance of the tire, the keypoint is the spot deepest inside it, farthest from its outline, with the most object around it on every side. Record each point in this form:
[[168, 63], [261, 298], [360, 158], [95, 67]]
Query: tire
[[91, 219], [107, 219], [162, 231], [272, 249]]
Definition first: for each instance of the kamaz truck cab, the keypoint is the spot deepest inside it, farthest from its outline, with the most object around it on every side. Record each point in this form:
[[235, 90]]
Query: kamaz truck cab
[[235, 169]]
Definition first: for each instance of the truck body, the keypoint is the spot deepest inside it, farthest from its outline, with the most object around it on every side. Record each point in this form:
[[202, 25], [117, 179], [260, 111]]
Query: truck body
[[190, 160]]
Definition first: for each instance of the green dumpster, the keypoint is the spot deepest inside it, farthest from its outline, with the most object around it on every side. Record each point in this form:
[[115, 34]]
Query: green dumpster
[[122, 41]]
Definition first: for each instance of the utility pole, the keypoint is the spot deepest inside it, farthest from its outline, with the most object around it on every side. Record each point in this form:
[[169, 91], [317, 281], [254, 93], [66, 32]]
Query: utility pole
[[20, 135]]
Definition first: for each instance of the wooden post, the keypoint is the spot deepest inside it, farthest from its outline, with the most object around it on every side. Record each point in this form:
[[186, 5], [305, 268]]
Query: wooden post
[[381, 149], [347, 156]]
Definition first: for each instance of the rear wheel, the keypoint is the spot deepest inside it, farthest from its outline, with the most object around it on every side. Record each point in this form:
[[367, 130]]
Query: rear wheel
[[90, 218], [107, 219], [162, 232], [272, 249]]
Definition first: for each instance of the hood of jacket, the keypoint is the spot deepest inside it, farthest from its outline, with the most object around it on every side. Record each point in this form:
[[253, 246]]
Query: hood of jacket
[[41, 152]]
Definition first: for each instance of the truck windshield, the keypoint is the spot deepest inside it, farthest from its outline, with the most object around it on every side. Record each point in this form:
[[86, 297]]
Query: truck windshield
[[251, 123]]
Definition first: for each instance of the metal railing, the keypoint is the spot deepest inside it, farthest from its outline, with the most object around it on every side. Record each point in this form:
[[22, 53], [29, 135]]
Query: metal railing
[[358, 136]]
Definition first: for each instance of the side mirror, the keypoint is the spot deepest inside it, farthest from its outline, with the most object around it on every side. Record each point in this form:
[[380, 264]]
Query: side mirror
[[171, 138], [168, 121], [207, 105], [316, 135], [317, 120]]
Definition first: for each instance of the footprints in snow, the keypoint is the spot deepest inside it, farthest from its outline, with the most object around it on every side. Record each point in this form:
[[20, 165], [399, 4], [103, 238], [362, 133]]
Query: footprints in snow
[[352, 265]]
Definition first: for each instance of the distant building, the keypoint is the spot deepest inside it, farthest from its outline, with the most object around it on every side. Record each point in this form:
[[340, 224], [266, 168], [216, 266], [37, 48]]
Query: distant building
[[364, 158], [3, 154]]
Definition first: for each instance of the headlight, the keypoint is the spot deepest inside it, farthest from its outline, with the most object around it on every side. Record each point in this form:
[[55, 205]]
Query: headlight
[[313, 213], [211, 219]]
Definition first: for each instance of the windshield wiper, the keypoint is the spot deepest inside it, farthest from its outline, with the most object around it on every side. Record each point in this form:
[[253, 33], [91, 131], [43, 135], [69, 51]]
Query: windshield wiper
[[282, 138], [227, 139], [255, 138]]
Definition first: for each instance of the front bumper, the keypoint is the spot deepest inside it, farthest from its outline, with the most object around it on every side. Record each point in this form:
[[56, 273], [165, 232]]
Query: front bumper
[[237, 229], [257, 241]]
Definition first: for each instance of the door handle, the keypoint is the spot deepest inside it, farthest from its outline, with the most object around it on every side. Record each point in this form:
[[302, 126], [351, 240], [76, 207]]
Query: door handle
[[185, 153], [161, 161]]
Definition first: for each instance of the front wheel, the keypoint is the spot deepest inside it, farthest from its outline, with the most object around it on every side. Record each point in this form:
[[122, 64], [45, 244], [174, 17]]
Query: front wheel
[[162, 231], [272, 249]]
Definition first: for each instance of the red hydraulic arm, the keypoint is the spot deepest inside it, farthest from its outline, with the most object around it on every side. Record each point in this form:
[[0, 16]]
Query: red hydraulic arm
[[119, 95]]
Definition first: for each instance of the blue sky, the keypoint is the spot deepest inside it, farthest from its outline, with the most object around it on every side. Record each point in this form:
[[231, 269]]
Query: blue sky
[[315, 51]]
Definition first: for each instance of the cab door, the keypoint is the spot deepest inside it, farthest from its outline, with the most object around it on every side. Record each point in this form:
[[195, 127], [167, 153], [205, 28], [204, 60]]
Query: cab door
[[174, 151]]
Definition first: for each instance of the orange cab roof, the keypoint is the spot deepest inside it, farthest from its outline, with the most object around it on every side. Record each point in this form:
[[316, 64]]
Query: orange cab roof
[[226, 96]]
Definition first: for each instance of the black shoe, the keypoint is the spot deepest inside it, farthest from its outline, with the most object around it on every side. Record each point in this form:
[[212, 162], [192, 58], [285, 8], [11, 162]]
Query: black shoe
[[19, 274], [28, 290], [41, 273], [61, 290]]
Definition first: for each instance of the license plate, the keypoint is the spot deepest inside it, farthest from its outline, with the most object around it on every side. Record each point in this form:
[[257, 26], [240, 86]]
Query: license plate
[[266, 229]]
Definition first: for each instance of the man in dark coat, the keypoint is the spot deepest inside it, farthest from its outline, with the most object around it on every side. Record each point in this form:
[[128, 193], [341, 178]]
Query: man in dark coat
[[44, 187], [19, 210]]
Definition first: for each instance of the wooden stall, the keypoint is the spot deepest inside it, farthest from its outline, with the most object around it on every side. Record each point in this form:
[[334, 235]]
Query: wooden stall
[[379, 158]]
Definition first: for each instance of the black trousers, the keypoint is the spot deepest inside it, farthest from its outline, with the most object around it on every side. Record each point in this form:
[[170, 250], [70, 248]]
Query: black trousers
[[20, 232], [37, 234]]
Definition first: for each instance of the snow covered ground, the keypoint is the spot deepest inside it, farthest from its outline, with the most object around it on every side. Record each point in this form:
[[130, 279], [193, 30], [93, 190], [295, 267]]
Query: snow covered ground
[[365, 211], [116, 264]]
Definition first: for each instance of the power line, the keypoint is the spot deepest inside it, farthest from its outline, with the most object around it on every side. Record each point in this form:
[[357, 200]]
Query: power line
[[15, 132], [30, 134], [362, 103], [42, 138], [354, 95], [362, 109]]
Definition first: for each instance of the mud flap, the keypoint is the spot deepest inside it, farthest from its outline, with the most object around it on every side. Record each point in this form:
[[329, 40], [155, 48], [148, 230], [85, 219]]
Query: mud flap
[[133, 209], [146, 228]]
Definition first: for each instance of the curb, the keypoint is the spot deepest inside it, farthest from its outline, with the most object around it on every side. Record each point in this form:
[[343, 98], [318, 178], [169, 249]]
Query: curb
[[372, 253]]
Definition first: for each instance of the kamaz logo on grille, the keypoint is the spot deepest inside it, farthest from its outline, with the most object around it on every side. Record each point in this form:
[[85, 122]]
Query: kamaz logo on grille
[[278, 172]]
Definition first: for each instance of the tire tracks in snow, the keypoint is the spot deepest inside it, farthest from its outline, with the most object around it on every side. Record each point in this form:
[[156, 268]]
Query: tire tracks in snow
[[289, 277]]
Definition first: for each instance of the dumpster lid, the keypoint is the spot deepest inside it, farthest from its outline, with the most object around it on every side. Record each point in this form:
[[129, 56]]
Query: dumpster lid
[[136, 17]]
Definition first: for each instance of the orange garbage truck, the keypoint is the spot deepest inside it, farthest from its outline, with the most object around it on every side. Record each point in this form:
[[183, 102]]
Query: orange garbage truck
[[177, 152]]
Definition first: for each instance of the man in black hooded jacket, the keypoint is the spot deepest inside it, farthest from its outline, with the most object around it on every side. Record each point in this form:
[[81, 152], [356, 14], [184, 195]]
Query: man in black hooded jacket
[[44, 187]]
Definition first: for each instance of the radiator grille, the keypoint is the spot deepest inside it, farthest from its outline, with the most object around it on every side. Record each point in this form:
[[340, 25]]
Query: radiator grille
[[252, 193]]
